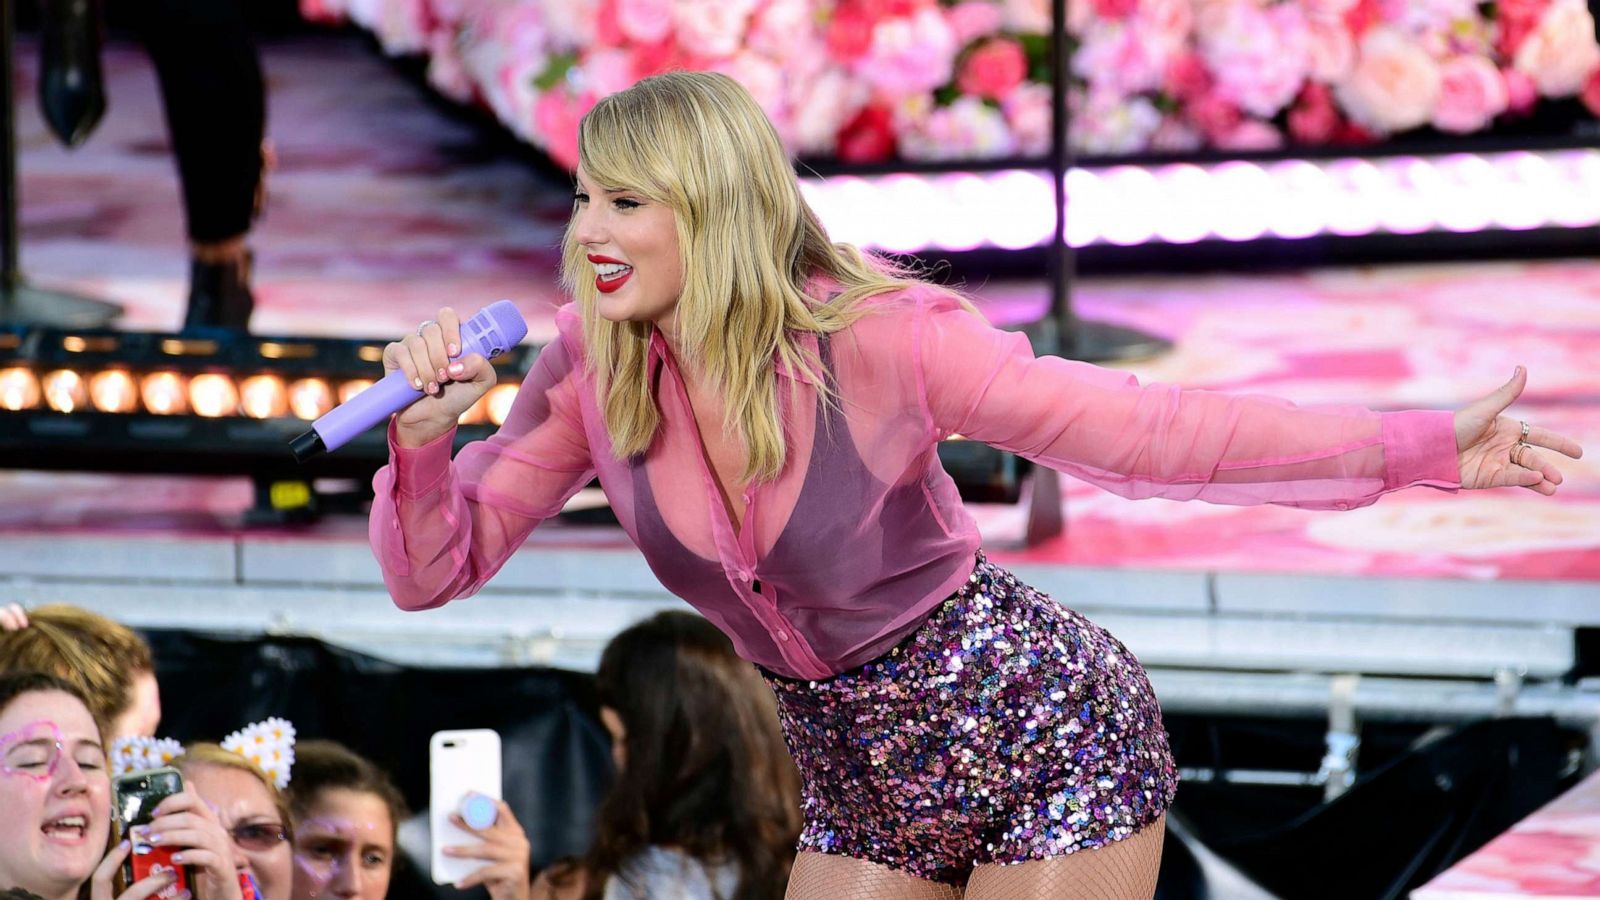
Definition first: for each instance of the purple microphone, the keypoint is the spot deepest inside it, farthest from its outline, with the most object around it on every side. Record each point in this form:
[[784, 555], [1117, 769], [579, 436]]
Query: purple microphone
[[495, 329]]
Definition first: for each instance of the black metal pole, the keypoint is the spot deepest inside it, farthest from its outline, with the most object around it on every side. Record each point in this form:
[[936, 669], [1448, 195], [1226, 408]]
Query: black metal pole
[[19, 301], [1063, 332], [1059, 334], [10, 276]]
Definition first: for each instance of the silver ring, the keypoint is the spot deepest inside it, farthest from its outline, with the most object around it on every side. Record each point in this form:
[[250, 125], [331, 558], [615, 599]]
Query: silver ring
[[1517, 450], [425, 324], [1525, 430]]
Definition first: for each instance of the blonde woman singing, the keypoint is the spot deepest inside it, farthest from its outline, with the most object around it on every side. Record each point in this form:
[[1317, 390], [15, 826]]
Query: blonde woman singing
[[762, 407]]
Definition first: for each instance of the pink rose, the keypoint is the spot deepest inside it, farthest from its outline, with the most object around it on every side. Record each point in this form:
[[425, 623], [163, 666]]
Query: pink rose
[[1186, 77], [1314, 119], [556, 118], [785, 30], [869, 137], [1561, 51], [1333, 51], [966, 129], [1395, 85], [1031, 114], [666, 56], [1166, 23], [603, 71], [1521, 94], [762, 78], [1213, 115], [1591, 93], [1118, 56], [1362, 15], [644, 21], [849, 33], [1258, 56], [1114, 10], [711, 28], [1251, 135], [446, 72], [1471, 94], [909, 55], [1113, 125], [1174, 135], [1516, 20], [973, 19], [821, 107], [993, 69], [1033, 16], [569, 22]]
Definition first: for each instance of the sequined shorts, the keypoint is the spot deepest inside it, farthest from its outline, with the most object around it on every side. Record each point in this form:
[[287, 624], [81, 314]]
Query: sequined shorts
[[1007, 728]]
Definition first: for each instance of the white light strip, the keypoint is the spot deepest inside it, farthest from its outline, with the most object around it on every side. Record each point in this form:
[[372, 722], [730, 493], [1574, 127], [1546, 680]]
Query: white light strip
[[1183, 203]]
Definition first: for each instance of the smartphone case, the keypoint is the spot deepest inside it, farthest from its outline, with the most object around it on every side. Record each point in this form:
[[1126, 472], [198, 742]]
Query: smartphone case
[[459, 762]]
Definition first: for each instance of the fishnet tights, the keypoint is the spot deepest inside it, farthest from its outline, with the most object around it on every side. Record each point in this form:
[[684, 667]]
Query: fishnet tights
[[1124, 870]]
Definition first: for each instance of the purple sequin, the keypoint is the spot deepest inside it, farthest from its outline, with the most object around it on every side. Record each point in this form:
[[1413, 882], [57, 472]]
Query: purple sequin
[[1007, 728]]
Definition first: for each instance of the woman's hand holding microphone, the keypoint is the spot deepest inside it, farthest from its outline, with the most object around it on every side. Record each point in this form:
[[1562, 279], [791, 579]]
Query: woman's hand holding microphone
[[451, 385]]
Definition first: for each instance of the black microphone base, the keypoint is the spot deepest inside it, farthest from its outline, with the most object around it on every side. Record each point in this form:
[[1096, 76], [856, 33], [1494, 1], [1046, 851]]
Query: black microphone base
[[306, 446]]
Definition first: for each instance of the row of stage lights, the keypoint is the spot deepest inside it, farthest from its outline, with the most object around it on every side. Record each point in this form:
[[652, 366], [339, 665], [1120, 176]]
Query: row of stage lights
[[207, 394], [1234, 201]]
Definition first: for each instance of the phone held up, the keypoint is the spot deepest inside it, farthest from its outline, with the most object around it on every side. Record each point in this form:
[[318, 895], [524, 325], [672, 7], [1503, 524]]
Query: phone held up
[[463, 770], [134, 798]]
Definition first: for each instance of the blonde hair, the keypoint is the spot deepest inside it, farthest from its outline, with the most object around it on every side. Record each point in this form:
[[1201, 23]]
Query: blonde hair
[[203, 753], [749, 243], [97, 655]]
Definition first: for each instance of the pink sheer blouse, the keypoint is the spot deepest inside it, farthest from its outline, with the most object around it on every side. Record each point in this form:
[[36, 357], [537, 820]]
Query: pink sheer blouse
[[862, 534]]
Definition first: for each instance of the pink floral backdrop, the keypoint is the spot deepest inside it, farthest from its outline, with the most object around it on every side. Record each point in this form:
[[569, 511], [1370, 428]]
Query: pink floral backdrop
[[871, 80]]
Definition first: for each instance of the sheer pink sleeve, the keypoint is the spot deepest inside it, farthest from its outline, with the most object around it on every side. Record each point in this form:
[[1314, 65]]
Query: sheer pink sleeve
[[440, 529], [1161, 441]]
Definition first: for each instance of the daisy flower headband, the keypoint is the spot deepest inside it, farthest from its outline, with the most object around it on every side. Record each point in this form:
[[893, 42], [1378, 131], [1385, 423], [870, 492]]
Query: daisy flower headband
[[268, 744]]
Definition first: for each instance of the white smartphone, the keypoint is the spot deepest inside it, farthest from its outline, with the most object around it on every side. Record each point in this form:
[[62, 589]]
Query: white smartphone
[[459, 763]]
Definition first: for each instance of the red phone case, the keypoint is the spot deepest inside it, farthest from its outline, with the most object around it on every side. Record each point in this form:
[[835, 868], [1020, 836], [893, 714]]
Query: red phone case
[[145, 860]]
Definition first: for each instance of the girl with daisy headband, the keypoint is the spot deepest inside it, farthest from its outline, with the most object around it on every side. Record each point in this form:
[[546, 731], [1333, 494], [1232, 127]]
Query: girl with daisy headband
[[242, 779]]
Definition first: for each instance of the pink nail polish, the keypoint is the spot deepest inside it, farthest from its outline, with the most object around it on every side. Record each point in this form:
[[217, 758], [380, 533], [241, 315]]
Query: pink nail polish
[[453, 350], [457, 368]]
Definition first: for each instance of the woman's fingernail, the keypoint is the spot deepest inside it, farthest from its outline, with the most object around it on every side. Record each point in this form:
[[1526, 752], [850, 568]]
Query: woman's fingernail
[[457, 368], [433, 387], [417, 383], [440, 374], [453, 350], [154, 838], [177, 857]]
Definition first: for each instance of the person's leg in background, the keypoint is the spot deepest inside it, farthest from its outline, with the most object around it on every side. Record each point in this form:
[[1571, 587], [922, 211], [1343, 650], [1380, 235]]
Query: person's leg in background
[[215, 98]]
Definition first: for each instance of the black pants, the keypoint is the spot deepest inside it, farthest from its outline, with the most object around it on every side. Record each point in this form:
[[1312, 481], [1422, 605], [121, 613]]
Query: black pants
[[215, 100]]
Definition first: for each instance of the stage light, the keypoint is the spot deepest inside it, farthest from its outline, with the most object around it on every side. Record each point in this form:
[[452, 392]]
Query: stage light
[[499, 402], [310, 398], [65, 391], [212, 395], [349, 389], [114, 390], [19, 389], [263, 396], [1014, 209], [165, 393]]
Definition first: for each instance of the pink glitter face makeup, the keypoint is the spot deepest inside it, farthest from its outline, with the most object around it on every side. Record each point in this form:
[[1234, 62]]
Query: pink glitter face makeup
[[344, 846], [33, 751]]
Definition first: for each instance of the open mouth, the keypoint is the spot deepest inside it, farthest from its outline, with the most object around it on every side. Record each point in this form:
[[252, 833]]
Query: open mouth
[[71, 829], [610, 276]]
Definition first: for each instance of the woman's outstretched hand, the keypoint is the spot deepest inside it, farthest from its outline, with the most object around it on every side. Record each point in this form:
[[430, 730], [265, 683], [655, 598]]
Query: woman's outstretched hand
[[1496, 451]]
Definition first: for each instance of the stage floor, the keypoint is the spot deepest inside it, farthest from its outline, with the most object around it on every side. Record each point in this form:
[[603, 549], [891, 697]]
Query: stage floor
[[384, 206]]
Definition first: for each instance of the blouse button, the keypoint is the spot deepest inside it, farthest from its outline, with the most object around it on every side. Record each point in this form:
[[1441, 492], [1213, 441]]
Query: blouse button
[[744, 576], [783, 636]]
